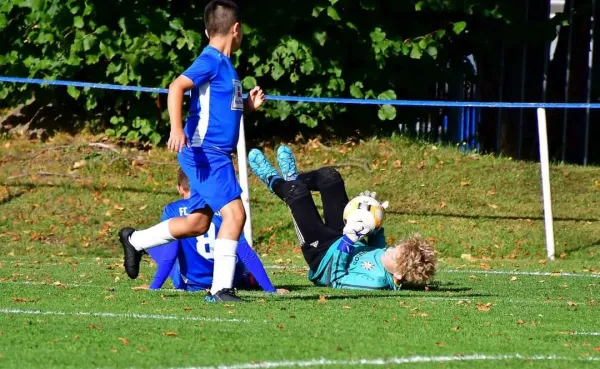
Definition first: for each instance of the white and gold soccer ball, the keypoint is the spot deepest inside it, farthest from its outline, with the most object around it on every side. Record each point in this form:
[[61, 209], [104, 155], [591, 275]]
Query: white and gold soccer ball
[[369, 207]]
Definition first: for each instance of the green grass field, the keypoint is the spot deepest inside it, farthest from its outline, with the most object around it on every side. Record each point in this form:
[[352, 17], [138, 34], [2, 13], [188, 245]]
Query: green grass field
[[66, 302]]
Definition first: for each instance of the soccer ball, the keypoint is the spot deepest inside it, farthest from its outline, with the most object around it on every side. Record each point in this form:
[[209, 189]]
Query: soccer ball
[[369, 207]]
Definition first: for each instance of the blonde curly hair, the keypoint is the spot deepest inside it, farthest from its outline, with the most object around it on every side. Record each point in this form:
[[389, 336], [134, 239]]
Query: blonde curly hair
[[415, 260]]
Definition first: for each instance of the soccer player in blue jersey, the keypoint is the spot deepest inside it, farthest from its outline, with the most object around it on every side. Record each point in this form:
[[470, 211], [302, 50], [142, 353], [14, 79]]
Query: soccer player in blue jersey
[[336, 252], [190, 261], [204, 148]]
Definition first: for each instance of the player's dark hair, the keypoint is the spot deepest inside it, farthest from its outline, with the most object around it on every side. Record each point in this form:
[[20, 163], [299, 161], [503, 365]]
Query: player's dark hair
[[182, 180], [220, 16]]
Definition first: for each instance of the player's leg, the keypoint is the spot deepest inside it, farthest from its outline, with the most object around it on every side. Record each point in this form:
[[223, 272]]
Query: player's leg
[[327, 181], [222, 192], [134, 242], [234, 217], [314, 237], [330, 184]]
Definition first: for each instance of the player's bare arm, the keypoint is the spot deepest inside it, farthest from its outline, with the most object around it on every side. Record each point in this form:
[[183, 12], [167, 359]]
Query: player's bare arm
[[177, 89]]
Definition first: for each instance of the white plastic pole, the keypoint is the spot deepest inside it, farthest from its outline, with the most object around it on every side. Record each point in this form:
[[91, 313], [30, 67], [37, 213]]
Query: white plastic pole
[[545, 168], [243, 177]]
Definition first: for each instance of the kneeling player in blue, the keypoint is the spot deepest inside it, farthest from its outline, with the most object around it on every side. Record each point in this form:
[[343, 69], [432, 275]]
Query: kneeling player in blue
[[336, 252], [190, 261]]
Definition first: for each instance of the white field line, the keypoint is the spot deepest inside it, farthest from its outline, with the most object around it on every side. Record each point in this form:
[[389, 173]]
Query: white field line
[[521, 272], [586, 333], [396, 360], [121, 315]]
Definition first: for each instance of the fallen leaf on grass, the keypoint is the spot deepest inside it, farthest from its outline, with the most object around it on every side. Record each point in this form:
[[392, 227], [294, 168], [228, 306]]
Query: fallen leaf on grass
[[421, 165], [140, 288], [597, 349], [456, 329], [125, 341], [93, 326], [143, 207], [187, 308], [169, 334], [397, 164], [346, 307], [280, 326], [119, 207], [571, 303], [441, 343], [513, 278], [543, 261], [493, 206], [467, 257], [109, 297], [78, 164], [521, 322], [20, 299], [484, 307], [464, 182], [322, 299]]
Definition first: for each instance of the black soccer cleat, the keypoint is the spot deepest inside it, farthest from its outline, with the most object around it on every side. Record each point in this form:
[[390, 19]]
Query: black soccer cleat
[[132, 257], [224, 295]]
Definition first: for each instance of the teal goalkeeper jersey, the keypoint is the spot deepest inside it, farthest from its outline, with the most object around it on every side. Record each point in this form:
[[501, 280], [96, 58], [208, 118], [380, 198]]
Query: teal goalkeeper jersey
[[362, 269]]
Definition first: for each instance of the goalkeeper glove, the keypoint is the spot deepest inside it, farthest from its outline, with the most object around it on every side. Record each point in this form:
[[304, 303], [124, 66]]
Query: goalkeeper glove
[[357, 227]]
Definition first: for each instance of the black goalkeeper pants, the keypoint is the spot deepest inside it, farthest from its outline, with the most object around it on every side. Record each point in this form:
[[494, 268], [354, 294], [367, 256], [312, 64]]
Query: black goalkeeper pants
[[315, 234]]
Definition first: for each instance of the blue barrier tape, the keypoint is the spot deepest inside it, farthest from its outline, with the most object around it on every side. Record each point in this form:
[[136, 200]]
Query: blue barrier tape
[[321, 100]]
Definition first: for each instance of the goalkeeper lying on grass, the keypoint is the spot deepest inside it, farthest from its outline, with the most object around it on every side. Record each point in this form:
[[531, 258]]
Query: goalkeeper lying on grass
[[335, 250], [190, 261]]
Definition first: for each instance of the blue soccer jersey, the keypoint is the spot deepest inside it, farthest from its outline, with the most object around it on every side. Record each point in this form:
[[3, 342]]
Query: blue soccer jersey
[[216, 103], [190, 261]]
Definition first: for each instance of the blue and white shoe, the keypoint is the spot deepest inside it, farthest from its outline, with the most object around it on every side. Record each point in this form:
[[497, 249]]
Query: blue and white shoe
[[287, 163], [263, 169]]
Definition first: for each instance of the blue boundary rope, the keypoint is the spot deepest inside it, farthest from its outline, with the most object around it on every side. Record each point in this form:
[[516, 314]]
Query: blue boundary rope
[[321, 100]]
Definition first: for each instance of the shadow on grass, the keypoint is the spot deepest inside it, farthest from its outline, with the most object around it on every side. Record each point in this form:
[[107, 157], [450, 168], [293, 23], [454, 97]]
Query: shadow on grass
[[255, 201], [11, 197], [87, 187], [471, 216], [394, 294], [582, 247]]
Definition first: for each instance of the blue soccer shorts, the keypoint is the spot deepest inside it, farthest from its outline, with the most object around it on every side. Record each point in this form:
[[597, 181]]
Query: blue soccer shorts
[[212, 178]]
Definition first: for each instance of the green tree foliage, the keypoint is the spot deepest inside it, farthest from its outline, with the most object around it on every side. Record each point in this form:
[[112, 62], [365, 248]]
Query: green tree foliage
[[321, 48]]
